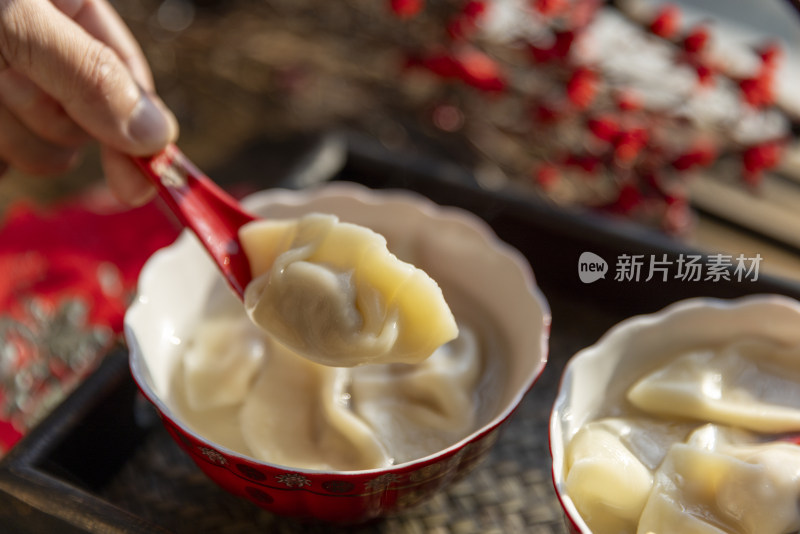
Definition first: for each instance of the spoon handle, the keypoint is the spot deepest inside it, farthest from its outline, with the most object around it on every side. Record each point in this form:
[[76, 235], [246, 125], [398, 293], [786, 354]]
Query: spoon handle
[[202, 206]]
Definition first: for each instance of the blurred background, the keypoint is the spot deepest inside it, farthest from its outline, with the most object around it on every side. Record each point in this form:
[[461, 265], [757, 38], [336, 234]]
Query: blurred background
[[615, 106]]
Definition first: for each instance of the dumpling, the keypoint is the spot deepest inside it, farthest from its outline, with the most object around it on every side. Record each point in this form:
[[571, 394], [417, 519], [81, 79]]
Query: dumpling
[[610, 464], [297, 414], [333, 293], [221, 361], [607, 482], [722, 481], [742, 384], [419, 409]]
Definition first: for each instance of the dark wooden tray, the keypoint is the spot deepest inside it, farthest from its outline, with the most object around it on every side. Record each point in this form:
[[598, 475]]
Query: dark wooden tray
[[102, 463]]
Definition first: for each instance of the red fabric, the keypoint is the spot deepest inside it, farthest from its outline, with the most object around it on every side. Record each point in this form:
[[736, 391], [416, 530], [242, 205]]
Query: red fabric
[[67, 275]]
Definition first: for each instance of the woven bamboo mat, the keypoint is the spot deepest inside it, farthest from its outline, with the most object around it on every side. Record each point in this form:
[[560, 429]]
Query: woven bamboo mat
[[511, 492]]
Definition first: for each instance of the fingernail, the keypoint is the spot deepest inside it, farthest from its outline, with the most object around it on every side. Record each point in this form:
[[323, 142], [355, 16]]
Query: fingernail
[[151, 124]]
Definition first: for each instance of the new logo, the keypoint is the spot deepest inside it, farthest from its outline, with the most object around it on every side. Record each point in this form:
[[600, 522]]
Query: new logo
[[591, 267]]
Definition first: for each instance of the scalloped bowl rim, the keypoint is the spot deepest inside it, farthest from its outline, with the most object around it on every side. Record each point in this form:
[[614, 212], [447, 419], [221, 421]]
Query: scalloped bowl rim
[[599, 351], [369, 197]]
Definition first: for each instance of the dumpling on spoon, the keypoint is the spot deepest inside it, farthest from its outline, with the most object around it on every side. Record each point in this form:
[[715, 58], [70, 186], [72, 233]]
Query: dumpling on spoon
[[332, 292]]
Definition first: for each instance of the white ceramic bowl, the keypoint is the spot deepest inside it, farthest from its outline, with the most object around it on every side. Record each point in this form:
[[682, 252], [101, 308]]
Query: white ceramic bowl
[[456, 248], [597, 378]]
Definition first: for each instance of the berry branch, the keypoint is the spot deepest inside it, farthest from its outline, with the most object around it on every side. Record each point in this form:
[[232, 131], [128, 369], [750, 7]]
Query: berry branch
[[540, 96]]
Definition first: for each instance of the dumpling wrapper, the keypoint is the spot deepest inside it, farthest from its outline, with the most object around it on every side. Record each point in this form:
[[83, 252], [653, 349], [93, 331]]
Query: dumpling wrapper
[[297, 415], [221, 361], [753, 385], [723, 482], [605, 479], [333, 293], [419, 409]]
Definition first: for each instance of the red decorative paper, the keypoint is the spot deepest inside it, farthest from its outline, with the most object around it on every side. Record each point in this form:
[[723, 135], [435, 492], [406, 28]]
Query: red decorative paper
[[67, 274]]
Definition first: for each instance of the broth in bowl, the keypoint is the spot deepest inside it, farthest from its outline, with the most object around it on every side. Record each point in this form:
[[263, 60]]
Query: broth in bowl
[[251, 394]]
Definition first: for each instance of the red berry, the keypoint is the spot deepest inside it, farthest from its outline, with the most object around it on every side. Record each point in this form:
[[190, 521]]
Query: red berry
[[696, 40], [583, 12], [629, 143], [604, 128], [763, 156], [474, 9], [585, 162], [758, 91], [770, 54], [582, 87], [629, 197], [546, 176], [563, 43], [440, 63], [675, 199], [540, 55], [559, 50], [705, 74], [467, 64], [628, 101], [548, 8], [466, 22], [546, 113], [666, 22], [406, 9], [479, 70], [459, 28], [701, 154]]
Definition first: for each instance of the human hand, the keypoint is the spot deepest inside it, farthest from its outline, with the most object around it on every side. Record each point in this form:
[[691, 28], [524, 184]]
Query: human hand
[[70, 71]]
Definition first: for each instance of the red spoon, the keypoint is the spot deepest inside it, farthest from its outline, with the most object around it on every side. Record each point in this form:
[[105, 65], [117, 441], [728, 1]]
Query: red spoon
[[203, 207]]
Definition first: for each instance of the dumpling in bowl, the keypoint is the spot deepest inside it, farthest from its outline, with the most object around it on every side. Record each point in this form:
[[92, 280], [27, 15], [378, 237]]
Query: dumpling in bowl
[[723, 481], [750, 384]]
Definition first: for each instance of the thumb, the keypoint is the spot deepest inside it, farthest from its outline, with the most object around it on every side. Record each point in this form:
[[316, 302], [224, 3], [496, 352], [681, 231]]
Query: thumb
[[84, 75]]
